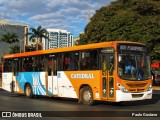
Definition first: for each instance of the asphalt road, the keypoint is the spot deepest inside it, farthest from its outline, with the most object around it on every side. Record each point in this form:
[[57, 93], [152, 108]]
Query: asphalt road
[[71, 109]]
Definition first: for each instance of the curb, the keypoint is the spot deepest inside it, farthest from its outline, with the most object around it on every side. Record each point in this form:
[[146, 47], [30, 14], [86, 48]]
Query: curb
[[1, 89], [156, 87]]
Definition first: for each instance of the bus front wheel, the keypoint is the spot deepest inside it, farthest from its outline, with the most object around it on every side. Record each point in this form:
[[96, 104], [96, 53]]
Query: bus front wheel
[[28, 91], [87, 96]]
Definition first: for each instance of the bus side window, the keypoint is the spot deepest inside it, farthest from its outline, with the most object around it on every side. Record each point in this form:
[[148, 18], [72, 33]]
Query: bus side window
[[7, 65], [89, 60], [66, 61], [83, 64], [76, 61], [94, 60], [49, 66], [71, 61], [39, 63], [31, 64], [54, 67], [28, 64], [61, 60], [83, 61], [24, 66]]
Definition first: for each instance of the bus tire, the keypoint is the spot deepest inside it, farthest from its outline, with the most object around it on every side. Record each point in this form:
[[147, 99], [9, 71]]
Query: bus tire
[[87, 96], [28, 91]]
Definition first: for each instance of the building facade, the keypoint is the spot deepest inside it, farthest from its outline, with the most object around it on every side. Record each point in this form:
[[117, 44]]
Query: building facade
[[58, 39], [19, 30]]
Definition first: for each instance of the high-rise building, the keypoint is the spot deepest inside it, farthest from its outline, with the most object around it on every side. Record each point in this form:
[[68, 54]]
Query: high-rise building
[[58, 39]]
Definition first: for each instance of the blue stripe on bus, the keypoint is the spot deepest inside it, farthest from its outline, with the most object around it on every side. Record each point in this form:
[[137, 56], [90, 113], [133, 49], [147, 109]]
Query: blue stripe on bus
[[34, 79]]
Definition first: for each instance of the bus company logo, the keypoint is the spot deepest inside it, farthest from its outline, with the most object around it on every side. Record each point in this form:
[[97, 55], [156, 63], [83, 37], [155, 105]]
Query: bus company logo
[[22, 115], [83, 76], [59, 75], [6, 114]]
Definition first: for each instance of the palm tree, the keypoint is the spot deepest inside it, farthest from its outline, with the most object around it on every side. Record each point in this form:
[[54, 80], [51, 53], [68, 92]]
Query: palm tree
[[14, 49], [38, 34], [9, 38]]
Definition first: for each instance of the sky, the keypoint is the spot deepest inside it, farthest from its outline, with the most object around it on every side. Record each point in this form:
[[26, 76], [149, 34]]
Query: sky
[[70, 15]]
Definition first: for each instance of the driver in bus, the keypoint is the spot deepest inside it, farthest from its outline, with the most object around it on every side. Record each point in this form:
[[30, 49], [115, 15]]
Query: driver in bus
[[129, 68]]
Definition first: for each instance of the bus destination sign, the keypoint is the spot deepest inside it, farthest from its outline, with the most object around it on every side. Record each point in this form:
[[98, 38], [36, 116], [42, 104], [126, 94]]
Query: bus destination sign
[[132, 47]]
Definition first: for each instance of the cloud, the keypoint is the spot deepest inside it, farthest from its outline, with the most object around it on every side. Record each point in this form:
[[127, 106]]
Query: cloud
[[80, 4], [28, 6], [2, 1], [69, 14]]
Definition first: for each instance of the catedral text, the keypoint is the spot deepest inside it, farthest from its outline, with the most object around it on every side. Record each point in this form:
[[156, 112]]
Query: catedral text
[[83, 76]]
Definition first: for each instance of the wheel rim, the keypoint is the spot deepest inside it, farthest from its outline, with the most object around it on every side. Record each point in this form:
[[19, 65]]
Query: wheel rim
[[87, 96], [28, 91]]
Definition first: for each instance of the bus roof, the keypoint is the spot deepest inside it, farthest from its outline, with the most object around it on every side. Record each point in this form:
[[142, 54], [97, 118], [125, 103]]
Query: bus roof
[[67, 49]]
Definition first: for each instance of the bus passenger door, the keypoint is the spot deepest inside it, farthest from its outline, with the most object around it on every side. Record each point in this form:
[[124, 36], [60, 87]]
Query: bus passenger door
[[108, 80], [52, 75], [15, 72]]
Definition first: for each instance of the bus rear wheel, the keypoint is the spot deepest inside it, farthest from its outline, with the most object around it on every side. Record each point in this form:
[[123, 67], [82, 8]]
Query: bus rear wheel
[[87, 96], [28, 91]]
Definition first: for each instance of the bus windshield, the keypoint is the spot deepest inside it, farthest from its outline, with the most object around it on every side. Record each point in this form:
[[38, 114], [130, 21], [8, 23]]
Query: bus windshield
[[133, 66]]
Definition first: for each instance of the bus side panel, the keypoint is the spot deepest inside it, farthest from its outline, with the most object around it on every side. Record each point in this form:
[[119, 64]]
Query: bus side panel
[[90, 78], [65, 88], [7, 81], [35, 79]]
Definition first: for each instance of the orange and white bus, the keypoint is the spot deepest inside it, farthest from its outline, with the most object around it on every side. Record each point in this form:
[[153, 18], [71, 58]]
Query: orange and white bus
[[110, 71]]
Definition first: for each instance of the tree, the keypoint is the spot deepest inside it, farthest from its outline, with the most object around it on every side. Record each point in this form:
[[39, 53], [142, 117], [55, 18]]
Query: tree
[[9, 38], [130, 20], [14, 49], [38, 34]]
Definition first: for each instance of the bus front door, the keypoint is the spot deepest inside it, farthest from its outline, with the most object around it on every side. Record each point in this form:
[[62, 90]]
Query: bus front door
[[108, 80]]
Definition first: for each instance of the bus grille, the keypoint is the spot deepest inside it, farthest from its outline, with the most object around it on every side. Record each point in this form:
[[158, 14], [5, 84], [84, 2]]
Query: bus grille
[[135, 90], [136, 85]]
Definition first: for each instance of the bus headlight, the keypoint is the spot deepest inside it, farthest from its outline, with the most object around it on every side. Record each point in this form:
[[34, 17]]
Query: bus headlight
[[149, 88], [122, 88]]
